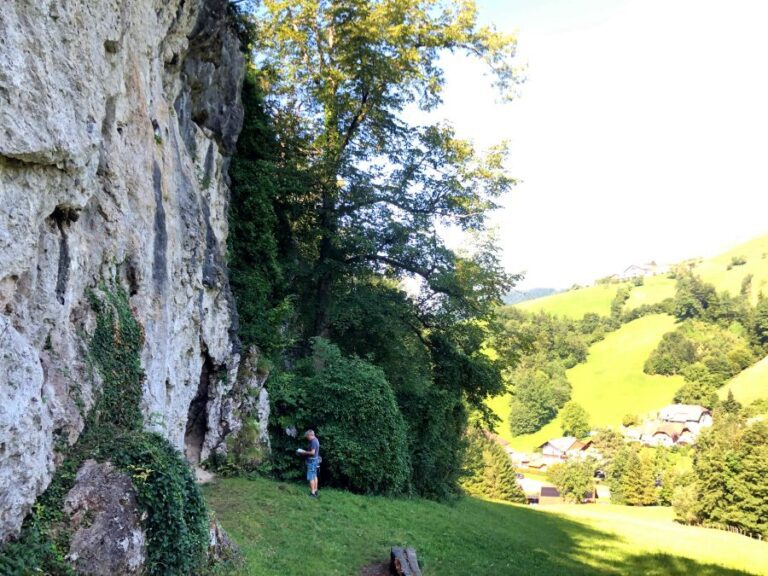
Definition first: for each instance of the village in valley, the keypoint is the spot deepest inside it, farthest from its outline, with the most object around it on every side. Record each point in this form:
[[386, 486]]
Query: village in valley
[[675, 425]]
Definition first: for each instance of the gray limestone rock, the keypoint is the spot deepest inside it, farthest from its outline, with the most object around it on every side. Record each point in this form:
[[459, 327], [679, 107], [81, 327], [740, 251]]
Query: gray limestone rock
[[116, 122], [103, 514]]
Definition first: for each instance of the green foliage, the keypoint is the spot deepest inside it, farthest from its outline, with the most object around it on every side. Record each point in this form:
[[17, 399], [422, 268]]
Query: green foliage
[[574, 420], [631, 477], [537, 396], [335, 200], [174, 515], [702, 352], [488, 471], [257, 258], [608, 442], [630, 420], [730, 405], [638, 480], [351, 406], [573, 479], [673, 353], [115, 349], [701, 393], [693, 297], [338, 78], [731, 466], [685, 503], [736, 261], [538, 382], [757, 407], [760, 323], [617, 305]]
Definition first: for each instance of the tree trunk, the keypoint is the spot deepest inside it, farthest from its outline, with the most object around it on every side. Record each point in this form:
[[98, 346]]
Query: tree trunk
[[403, 562]]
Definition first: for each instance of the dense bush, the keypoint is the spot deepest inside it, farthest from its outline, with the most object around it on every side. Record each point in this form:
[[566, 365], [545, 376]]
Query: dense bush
[[702, 352], [351, 406], [574, 480], [697, 392], [256, 256]]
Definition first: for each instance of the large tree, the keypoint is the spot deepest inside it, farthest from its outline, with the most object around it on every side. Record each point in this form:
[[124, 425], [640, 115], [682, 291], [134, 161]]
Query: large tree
[[338, 78]]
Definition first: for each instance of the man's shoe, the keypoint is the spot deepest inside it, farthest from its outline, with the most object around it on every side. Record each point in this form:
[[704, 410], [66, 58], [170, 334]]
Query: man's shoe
[[313, 494]]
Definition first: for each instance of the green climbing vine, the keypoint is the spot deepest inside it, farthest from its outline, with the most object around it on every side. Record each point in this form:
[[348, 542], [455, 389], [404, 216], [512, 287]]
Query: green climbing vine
[[174, 515]]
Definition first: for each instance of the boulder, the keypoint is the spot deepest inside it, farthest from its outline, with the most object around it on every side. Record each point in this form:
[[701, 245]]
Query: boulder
[[107, 537]]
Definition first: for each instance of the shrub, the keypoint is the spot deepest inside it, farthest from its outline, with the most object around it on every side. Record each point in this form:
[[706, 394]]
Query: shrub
[[630, 420], [574, 480], [352, 408], [700, 393]]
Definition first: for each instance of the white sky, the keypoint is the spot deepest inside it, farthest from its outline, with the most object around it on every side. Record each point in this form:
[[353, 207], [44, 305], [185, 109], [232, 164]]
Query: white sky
[[641, 133]]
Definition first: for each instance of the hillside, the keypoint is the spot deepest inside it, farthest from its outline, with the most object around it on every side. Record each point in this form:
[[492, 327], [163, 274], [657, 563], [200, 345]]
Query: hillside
[[611, 383], [608, 389], [281, 532], [574, 303], [715, 270], [755, 253], [749, 385], [654, 290]]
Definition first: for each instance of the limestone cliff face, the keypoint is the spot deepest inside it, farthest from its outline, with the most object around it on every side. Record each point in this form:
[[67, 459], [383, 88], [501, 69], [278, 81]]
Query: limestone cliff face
[[116, 121]]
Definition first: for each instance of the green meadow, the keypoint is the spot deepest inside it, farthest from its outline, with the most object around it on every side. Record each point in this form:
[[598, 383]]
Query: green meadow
[[574, 303], [748, 385], [282, 532], [611, 383]]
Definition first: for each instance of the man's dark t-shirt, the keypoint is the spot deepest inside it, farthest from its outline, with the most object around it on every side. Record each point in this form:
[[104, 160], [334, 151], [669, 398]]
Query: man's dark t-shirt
[[314, 444]]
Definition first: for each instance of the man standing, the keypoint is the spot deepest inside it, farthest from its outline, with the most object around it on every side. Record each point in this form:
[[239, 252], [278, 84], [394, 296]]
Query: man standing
[[313, 460]]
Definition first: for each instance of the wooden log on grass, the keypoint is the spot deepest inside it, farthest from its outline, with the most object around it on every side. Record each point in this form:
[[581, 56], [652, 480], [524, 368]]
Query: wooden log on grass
[[403, 562]]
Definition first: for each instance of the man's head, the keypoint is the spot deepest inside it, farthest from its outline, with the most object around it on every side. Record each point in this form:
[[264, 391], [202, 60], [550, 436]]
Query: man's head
[[309, 434]]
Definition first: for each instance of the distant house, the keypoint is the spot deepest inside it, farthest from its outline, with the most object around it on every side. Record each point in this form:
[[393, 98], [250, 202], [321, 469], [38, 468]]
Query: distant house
[[642, 270], [669, 434], [694, 416], [636, 271], [564, 447]]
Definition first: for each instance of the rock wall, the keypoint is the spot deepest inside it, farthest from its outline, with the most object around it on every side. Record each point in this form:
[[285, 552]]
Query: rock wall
[[116, 121]]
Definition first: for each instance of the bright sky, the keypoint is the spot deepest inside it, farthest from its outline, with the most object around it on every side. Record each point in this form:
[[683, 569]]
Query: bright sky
[[641, 133]]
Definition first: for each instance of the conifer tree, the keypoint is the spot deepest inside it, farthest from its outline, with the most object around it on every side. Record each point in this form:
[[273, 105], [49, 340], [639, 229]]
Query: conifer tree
[[638, 482]]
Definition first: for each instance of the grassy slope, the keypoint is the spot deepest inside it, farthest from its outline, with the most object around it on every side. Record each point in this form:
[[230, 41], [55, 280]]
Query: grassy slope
[[606, 388], [575, 303], [281, 532], [750, 384], [755, 251], [629, 344], [654, 290]]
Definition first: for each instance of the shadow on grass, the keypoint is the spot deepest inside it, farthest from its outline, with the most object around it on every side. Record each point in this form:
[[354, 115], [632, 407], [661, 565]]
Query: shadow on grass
[[282, 532], [555, 545]]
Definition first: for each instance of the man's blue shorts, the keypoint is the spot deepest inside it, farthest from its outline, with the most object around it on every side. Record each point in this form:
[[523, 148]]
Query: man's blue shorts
[[312, 464]]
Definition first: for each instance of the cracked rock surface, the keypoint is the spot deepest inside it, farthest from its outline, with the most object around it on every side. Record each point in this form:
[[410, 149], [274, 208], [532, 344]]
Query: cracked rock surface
[[117, 119]]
